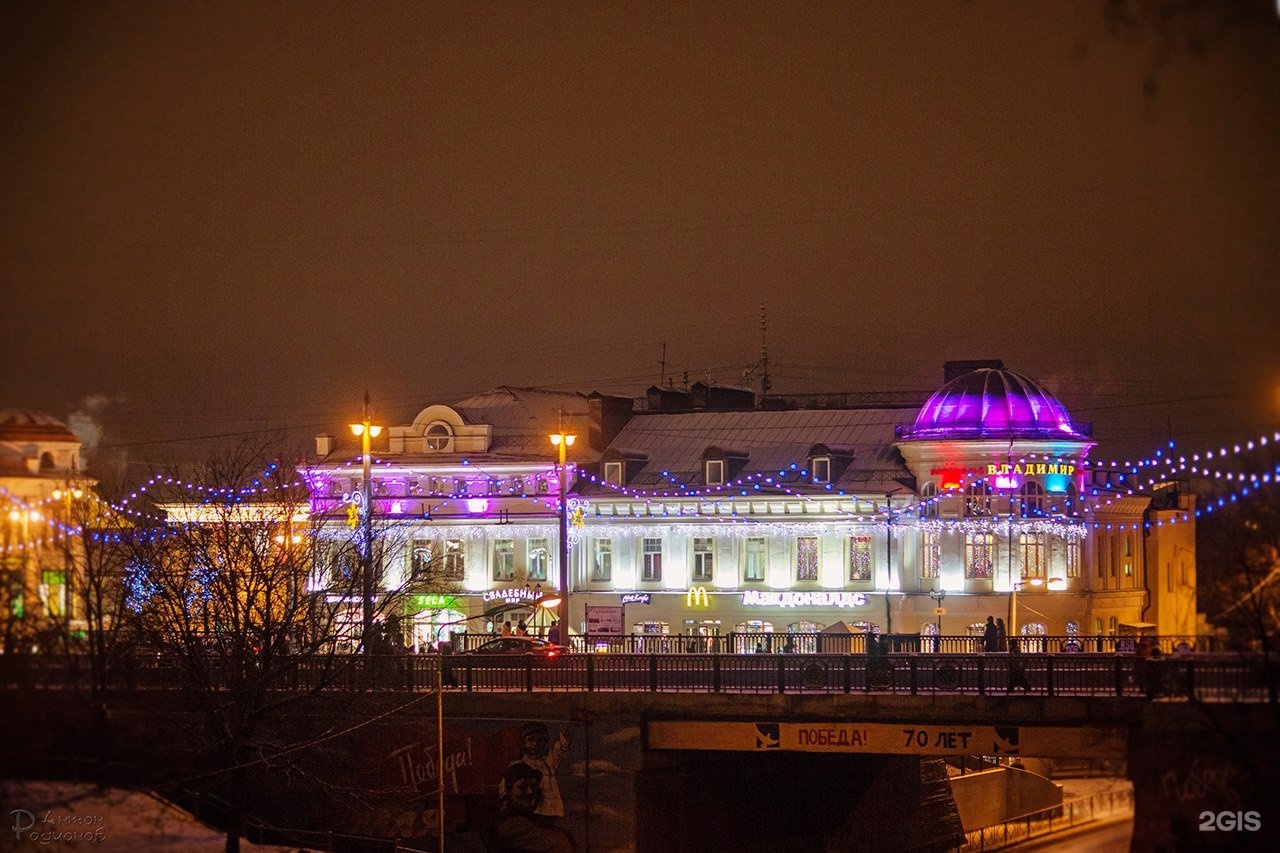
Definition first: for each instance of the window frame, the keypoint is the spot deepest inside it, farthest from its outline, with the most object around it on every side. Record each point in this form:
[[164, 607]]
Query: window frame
[[532, 560], [601, 560], [861, 558], [503, 559], [703, 549], [717, 465], [804, 555], [651, 560], [748, 554], [613, 472]]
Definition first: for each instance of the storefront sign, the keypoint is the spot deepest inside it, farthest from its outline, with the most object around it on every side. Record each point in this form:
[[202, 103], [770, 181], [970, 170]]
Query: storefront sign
[[432, 601], [604, 620], [758, 598], [635, 598], [512, 596], [697, 597]]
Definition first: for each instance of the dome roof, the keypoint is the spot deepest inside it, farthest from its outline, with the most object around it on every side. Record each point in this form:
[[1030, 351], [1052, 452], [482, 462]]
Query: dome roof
[[26, 425], [993, 403]]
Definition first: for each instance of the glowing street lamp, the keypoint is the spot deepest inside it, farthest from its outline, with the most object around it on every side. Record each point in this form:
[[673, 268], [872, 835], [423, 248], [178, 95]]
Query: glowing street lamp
[[563, 441], [366, 431]]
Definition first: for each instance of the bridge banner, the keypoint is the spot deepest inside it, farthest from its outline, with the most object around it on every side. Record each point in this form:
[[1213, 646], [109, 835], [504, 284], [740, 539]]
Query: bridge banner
[[888, 738]]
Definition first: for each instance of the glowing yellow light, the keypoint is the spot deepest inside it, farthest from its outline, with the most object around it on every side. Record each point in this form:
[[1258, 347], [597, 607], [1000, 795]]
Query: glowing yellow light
[[357, 429]]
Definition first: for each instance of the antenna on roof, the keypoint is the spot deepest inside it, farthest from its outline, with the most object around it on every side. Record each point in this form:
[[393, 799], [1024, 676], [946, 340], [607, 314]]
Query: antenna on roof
[[765, 383], [662, 370]]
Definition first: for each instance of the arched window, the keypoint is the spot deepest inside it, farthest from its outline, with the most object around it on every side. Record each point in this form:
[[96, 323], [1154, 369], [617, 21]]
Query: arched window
[[929, 496], [1073, 628], [1097, 625], [46, 461], [1112, 626], [1032, 495], [977, 499], [438, 437]]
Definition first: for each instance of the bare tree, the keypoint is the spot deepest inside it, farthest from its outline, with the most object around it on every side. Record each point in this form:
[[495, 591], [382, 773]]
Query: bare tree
[[255, 605]]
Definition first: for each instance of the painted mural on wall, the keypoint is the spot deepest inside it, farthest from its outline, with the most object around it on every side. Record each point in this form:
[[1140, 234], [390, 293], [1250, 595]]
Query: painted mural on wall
[[509, 784]]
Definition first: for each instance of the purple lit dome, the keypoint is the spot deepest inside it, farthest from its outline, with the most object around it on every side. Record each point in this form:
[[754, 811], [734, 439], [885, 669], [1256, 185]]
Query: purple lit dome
[[993, 403]]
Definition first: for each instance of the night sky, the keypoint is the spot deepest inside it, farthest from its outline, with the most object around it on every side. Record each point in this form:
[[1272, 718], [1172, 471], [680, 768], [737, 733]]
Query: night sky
[[226, 217]]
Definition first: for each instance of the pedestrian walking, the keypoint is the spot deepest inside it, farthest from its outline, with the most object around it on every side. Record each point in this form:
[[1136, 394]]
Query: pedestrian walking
[[1002, 637], [1017, 669], [990, 635]]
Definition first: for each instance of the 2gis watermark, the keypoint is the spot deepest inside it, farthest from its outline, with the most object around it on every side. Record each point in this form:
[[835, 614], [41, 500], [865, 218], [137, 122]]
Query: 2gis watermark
[[1230, 821]]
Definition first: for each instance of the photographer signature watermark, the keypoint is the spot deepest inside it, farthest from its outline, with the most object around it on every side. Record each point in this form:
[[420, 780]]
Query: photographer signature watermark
[[51, 828]]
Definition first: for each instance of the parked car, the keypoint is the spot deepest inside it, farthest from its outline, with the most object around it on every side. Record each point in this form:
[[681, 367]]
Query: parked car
[[517, 645]]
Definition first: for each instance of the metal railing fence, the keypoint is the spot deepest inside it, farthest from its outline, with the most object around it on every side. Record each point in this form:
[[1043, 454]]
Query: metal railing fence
[[1244, 678]]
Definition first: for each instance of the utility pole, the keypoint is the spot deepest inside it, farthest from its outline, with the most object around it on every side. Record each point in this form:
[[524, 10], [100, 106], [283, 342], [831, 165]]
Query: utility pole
[[366, 430]]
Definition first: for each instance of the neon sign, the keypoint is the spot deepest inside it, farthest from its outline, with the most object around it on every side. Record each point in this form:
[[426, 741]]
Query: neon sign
[[757, 598], [697, 597], [512, 596], [636, 597]]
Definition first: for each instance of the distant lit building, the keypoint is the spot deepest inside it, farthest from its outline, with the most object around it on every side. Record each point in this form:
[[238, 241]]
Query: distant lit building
[[702, 514], [41, 481]]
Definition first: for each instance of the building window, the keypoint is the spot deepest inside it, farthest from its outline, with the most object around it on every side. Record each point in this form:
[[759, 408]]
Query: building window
[[703, 558], [977, 500], [539, 559], [1097, 626], [1112, 626], [753, 559], [602, 560], [419, 559], [1128, 568], [438, 437], [929, 496], [613, 473], [715, 472], [53, 592], [979, 549], [652, 555], [1033, 497], [930, 555], [1031, 547], [1100, 556], [859, 558], [1168, 576], [1073, 628], [807, 558], [822, 469], [504, 559], [1073, 558], [455, 564]]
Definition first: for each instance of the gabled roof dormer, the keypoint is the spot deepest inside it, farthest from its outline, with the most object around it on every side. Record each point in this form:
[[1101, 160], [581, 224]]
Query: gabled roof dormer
[[720, 465], [826, 464]]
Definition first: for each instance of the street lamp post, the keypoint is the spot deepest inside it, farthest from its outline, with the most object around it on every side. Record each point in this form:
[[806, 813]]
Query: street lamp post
[[563, 441], [366, 431], [938, 595]]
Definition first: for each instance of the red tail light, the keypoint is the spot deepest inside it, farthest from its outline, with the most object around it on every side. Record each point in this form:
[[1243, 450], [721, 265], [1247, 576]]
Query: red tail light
[[552, 654]]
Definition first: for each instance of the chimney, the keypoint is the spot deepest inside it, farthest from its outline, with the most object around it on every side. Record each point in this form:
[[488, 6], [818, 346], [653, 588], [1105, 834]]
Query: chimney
[[607, 416], [325, 444]]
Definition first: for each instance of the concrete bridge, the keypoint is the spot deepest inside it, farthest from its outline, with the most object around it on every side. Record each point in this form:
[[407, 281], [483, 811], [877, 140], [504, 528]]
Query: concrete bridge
[[812, 767]]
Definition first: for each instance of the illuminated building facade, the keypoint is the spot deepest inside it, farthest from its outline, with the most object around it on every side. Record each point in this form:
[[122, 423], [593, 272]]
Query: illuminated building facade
[[41, 483], [702, 514]]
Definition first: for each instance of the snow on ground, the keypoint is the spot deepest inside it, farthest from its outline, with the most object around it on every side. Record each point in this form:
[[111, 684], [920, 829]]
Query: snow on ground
[[43, 815]]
